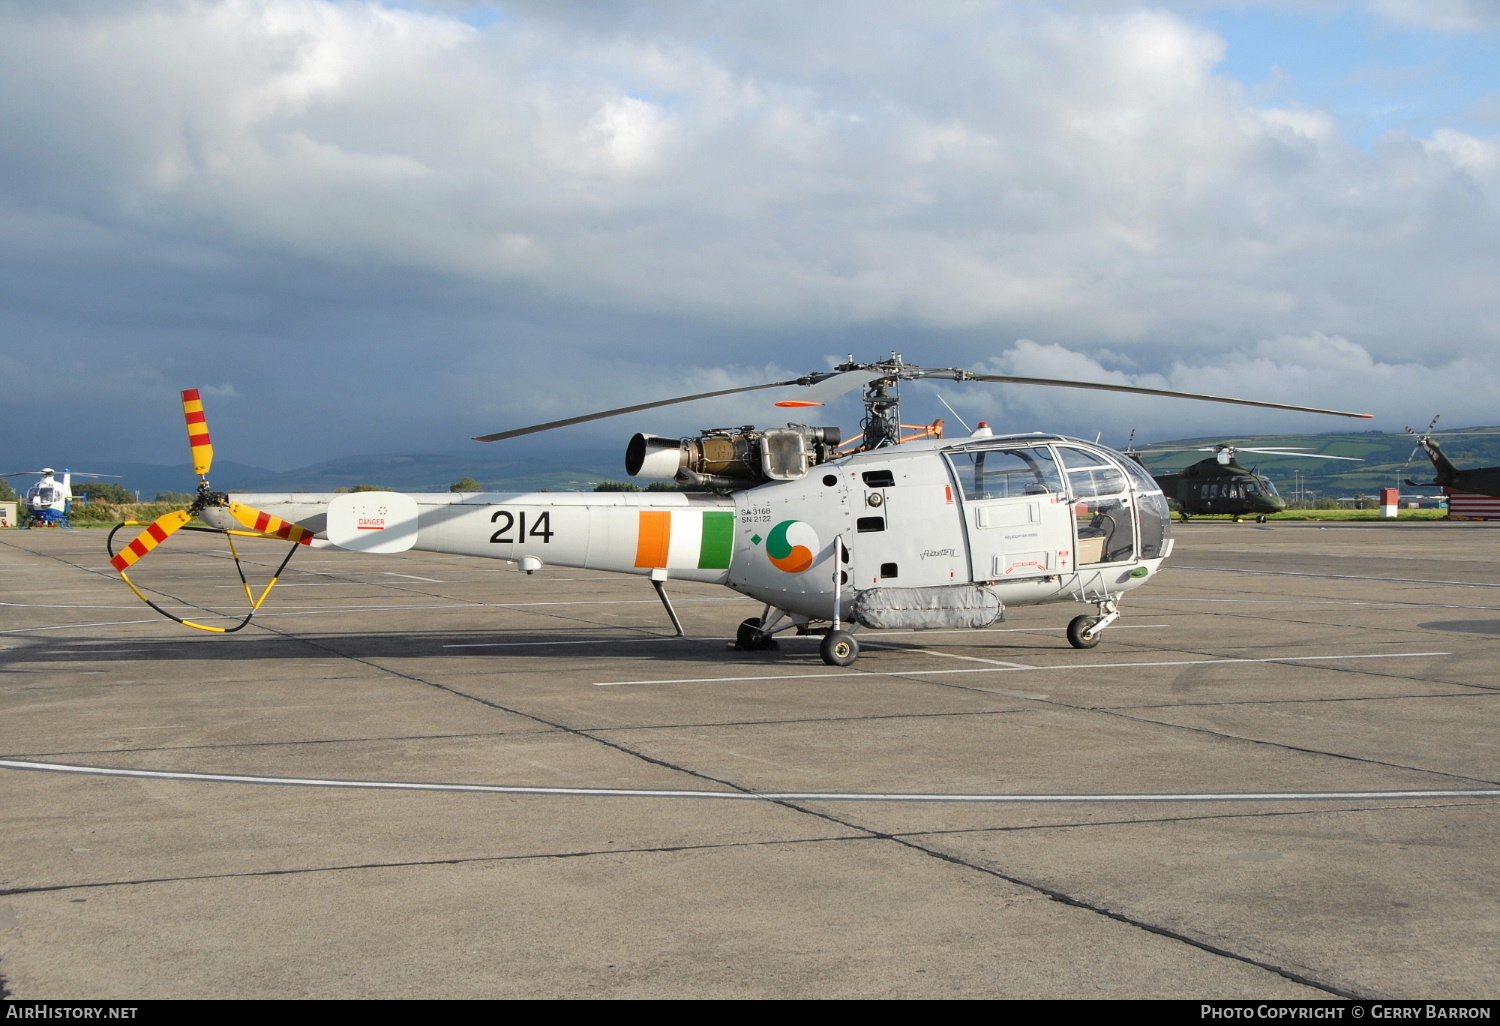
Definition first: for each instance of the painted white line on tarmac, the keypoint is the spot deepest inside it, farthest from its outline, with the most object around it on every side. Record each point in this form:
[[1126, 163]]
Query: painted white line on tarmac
[[1331, 577], [326, 611], [759, 796], [105, 623], [1017, 630], [955, 655], [413, 577], [300, 584], [792, 637], [62, 605], [787, 637], [1019, 669], [585, 641]]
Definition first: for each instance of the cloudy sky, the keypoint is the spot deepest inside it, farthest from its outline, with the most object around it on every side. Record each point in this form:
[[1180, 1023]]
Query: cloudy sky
[[368, 227]]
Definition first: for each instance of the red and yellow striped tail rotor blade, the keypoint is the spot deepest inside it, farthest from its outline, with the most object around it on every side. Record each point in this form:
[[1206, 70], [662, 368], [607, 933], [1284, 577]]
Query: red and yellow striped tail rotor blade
[[197, 427], [150, 538], [269, 525]]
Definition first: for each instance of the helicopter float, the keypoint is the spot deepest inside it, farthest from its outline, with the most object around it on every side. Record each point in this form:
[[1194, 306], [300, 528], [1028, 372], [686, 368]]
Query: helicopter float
[[1219, 485], [905, 532], [48, 502]]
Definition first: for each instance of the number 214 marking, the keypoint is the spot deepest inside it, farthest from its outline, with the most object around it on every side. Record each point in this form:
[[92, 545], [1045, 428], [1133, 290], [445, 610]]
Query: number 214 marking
[[541, 527]]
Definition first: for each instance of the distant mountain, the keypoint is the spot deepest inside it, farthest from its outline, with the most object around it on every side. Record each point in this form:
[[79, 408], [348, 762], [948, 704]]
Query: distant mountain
[[412, 472], [434, 472], [150, 478], [1386, 456]]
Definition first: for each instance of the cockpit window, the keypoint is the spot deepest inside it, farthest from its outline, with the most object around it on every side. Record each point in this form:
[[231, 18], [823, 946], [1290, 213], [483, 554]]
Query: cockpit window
[[1140, 476], [1006, 473], [1080, 459], [1090, 474]]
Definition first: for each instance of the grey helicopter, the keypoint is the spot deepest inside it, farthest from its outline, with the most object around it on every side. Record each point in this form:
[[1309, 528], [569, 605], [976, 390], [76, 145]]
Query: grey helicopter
[[883, 531]]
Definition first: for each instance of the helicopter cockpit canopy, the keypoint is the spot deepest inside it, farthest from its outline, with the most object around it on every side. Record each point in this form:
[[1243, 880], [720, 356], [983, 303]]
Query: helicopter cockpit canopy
[[44, 494], [1113, 498]]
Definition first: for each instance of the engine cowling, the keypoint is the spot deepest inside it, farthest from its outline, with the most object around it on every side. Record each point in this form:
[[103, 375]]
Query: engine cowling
[[732, 457]]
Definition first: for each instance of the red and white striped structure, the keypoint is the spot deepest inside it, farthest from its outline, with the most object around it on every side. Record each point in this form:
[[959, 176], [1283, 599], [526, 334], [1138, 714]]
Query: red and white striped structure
[[1464, 505], [1390, 502]]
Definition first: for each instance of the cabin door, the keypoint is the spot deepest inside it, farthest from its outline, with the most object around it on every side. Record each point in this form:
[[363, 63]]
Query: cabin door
[[1017, 521]]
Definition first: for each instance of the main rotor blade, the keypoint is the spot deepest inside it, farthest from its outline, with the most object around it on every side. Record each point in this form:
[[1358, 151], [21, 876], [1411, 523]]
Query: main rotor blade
[[74, 473], [499, 435], [1305, 455], [197, 428], [1099, 386], [1457, 434], [267, 524], [160, 530], [831, 388]]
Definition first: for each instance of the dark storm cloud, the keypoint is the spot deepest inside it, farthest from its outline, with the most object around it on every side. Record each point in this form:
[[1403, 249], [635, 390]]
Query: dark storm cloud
[[373, 228]]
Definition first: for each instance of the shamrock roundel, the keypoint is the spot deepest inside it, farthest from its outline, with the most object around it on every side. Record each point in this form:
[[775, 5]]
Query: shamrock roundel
[[791, 546]]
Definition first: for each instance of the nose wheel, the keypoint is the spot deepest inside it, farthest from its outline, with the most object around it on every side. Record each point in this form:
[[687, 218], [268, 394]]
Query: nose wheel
[[1085, 631], [1081, 633]]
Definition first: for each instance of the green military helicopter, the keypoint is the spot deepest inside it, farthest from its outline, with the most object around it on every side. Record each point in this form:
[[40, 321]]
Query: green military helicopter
[[1220, 486]]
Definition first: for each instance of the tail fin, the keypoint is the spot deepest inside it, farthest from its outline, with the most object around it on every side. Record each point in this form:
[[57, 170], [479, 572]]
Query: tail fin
[[1447, 473]]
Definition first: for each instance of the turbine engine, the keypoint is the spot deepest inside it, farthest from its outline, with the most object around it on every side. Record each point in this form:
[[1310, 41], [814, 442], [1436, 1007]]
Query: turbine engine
[[732, 457]]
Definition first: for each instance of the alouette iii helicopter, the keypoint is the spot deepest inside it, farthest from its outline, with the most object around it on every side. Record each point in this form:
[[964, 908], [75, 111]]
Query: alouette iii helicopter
[[49, 502], [1219, 485], [906, 532]]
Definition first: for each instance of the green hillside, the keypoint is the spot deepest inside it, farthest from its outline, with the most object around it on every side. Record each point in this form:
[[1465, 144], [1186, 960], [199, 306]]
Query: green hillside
[[565, 469], [1388, 459]]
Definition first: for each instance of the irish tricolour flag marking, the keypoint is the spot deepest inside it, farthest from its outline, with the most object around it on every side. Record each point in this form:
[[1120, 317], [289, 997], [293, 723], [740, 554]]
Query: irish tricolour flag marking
[[686, 538]]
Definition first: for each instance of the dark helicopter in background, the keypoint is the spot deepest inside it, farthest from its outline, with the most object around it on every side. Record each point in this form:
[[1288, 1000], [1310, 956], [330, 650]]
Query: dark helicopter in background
[[1219, 485], [1479, 480]]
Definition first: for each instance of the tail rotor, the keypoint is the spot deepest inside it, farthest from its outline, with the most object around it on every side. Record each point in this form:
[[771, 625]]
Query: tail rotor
[[210, 507]]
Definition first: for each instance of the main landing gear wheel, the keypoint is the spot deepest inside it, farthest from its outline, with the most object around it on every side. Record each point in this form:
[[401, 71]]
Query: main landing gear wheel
[[1261, 519], [1186, 516], [839, 648], [1077, 626], [749, 637]]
